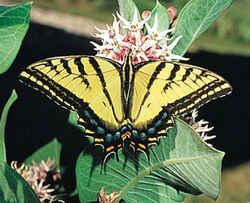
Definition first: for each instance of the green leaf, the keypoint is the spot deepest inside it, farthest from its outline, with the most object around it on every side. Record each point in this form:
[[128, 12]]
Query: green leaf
[[127, 9], [13, 188], [182, 163], [3, 121], [162, 15], [194, 19], [51, 150], [14, 24]]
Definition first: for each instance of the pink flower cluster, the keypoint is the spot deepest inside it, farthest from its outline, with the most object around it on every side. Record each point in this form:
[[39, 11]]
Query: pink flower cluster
[[154, 45], [36, 175]]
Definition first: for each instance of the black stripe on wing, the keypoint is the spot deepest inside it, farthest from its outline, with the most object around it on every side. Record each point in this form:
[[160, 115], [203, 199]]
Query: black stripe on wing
[[63, 97], [189, 102], [151, 81], [54, 91], [99, 72]]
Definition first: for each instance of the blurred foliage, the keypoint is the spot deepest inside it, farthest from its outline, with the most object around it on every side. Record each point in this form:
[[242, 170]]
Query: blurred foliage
[[229, 34], [141, 4], [235, 23], [231, 31]]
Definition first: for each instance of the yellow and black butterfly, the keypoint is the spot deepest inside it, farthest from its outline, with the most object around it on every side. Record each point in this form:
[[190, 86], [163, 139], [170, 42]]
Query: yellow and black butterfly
[[117, 102]]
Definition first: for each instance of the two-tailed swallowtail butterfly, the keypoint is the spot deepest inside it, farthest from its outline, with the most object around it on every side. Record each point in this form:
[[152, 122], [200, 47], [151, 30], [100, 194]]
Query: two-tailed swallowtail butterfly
[[117, 102]]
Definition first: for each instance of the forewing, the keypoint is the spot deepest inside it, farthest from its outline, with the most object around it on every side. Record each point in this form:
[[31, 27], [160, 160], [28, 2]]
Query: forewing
[[177, 88], [78, 83]]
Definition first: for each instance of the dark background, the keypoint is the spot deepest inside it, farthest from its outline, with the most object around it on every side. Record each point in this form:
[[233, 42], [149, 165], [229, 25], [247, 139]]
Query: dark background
[[34, 120]]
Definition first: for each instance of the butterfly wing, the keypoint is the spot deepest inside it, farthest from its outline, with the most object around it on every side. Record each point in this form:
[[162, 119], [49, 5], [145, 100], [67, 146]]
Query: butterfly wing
[[178, 88], [91, 86], [165, 89]]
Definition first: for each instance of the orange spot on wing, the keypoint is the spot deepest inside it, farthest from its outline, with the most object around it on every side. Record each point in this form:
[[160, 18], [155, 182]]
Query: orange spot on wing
[[142, 146], [110, 148], [126, 134], [99, 140], [131, 142], [151, 139]]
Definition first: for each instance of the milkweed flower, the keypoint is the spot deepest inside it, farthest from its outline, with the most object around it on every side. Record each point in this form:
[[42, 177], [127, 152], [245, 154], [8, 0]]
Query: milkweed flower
[[201, 127], [105, 198], [36, 175], [129, 38]]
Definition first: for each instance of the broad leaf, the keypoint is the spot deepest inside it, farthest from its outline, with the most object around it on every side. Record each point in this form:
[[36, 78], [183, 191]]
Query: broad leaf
[[51, 150], [194, 19], [162, 17], [127, 9], [3, 121], [14, 24], [13, 188], [181, 164]]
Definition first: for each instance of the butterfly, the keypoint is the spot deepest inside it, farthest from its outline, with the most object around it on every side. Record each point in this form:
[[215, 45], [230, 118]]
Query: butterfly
[[124, 102]]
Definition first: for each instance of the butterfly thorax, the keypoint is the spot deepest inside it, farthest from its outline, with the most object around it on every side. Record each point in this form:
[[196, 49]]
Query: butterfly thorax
[[127, 83]]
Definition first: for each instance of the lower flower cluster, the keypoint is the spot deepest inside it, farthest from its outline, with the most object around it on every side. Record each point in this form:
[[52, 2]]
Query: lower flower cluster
[[37, 175]]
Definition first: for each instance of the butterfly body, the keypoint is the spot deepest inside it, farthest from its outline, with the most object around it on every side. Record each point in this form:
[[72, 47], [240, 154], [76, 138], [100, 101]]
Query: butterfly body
[[119, 103]]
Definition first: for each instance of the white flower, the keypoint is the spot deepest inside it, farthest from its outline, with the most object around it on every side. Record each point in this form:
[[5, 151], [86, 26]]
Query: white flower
[[166, 51], [138, 53], [153, 32], [43, 191], [136, 25], [201, 127]]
